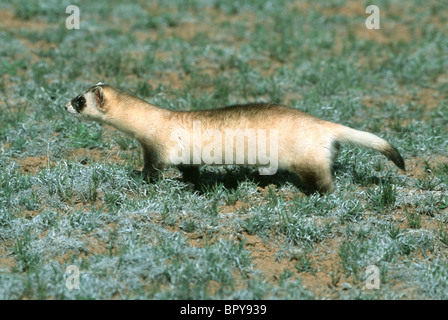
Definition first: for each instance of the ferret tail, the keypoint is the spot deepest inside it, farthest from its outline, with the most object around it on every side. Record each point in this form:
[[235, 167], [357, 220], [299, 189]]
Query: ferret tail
[[370, 141]]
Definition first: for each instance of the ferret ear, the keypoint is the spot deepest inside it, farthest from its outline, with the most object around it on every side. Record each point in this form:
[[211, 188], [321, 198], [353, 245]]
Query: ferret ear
[[99, 97]]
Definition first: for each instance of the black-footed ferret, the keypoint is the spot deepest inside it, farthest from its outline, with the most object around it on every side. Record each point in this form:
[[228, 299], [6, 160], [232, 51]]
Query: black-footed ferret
[[264, 135]]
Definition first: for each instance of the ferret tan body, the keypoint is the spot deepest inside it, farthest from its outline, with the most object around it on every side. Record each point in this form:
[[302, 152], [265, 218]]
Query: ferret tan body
[[304, 144]]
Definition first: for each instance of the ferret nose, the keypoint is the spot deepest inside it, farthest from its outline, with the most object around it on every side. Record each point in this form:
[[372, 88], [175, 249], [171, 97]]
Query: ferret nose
[[66, 105]]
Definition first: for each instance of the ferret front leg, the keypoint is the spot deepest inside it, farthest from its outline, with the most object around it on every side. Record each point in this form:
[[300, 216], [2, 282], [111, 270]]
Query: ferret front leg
[[151, 167]]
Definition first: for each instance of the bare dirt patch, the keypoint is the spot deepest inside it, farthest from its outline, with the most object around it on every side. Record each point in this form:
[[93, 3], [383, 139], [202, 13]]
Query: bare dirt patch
[[83, 155], [32, 164], [8, 20], [421, 167], [6, 260], [263, 256], [325, 276], [238, 205]]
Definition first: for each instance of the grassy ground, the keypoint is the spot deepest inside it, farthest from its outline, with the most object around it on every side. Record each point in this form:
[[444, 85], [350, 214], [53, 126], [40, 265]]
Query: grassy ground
[[67, 196]]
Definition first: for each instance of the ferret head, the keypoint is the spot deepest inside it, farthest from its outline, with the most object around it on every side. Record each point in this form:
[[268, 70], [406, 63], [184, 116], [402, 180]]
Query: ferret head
[[90, 104]]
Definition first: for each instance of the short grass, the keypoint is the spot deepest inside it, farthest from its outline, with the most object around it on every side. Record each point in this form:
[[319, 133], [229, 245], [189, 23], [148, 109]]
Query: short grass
[[67, 196]]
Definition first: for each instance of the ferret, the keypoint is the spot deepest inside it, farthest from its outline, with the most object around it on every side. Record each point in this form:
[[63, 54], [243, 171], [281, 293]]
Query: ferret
[[269, 136]]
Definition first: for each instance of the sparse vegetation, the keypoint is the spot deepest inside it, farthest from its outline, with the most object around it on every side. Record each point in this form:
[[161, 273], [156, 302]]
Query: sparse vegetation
[[68, 195]]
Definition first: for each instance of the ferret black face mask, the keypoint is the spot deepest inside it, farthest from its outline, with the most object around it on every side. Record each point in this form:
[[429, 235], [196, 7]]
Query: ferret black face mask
[[79, 103]]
